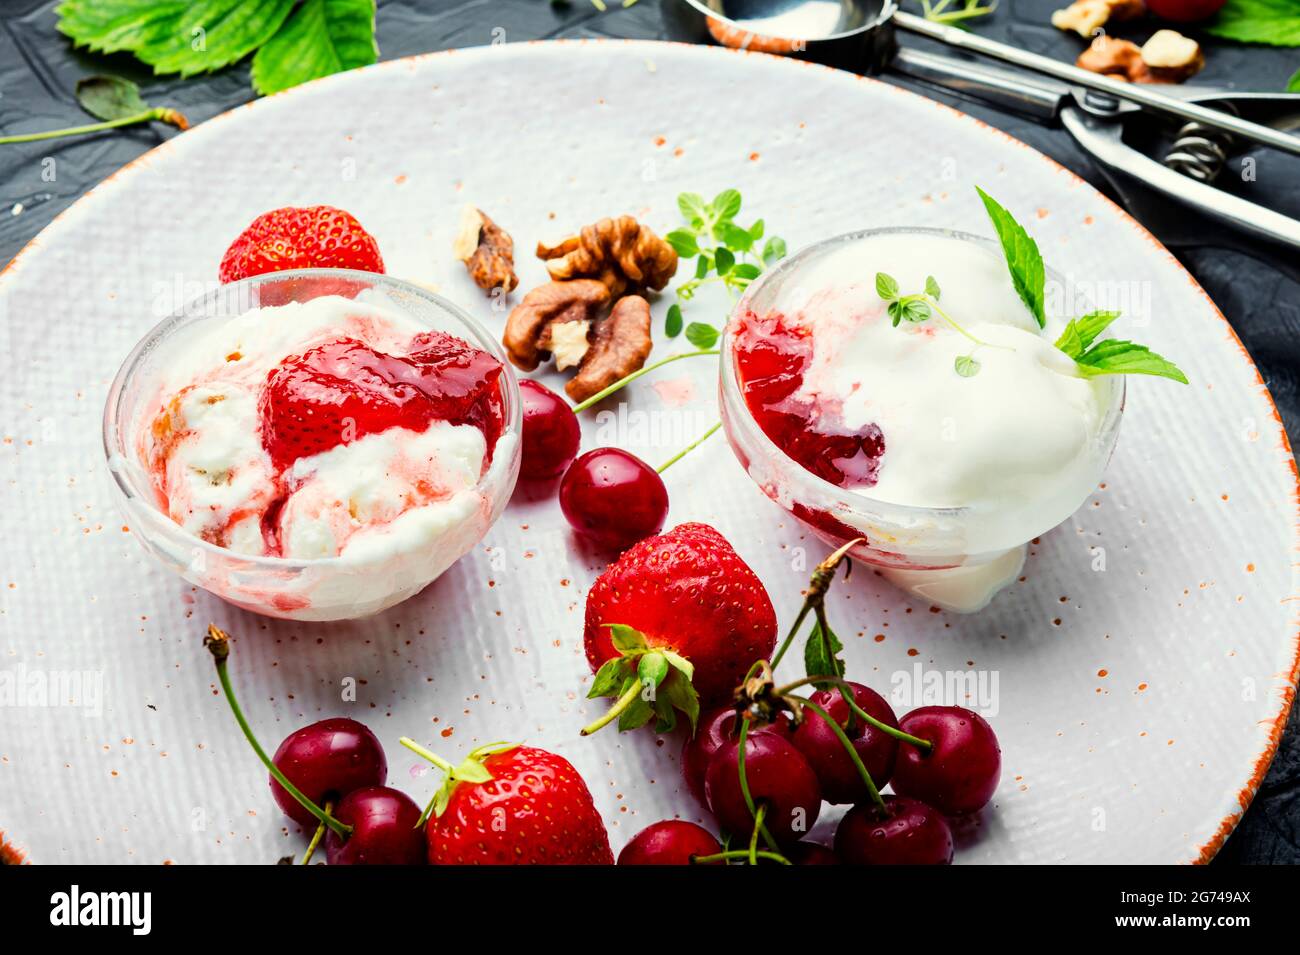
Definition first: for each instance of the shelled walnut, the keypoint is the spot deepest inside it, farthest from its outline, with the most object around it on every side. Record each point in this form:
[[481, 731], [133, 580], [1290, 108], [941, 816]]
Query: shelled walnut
[[567, 320], [487, 251], [1168, 57], [1112, 56], [621, 252]]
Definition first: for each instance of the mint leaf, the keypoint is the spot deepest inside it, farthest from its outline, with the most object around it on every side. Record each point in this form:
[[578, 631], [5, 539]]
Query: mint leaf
[[774, 249], [966, 365], [673, 323], [886, 286], [683, 240], [1115, 357], [1274, 22], [932, 287], [756, 230], [321, 38], [174, 36], [821, 656], [1082, 332], [725, 205], [723, 260], [1023, 259], [701, 335]]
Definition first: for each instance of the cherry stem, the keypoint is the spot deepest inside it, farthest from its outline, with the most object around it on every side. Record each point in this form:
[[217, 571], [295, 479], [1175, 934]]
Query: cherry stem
[[161, 113], [615, 711], [315, 839], [606, 392], [853, 753], [744, 787], [753, 836], [432, 757], [218, 644], [821, 581], [740, 854], [688, 449], [846, 693]]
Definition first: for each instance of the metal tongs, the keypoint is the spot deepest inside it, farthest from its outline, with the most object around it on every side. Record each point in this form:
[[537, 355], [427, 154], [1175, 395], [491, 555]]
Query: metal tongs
[[1093, 108]]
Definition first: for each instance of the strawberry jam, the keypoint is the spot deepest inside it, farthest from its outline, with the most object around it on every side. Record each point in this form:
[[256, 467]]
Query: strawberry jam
[[343, 390], [772, 357]]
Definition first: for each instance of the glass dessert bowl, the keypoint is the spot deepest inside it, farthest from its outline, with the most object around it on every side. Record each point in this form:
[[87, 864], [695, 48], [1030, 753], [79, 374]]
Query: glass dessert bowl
[[317, 444], [947, 439]]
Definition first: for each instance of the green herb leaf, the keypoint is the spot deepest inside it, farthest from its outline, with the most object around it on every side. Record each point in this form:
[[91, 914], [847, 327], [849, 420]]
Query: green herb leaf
[[174, 36], [932, 287], [1082, 332], [915, 311], [966, 366], [723, 260], [701, 335], [756, 230], [743, 273], [886, 286], [726, 204], [1274, 22], [639, 711], [321, 38], [821, 655], [1023, 259], [679, 662], [683, 240], [702, 265], [774, 249], [737, 239], [1293, 85], [1115, 357], [110, 97], [680, 694], [673, 323], [692, 207]]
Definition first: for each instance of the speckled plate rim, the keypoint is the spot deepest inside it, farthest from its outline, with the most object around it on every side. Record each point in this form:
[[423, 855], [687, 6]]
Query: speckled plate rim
[[1271, 730]]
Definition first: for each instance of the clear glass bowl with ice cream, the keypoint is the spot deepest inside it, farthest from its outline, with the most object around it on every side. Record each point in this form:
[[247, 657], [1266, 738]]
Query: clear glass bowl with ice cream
[[946, 444], [316, 444]]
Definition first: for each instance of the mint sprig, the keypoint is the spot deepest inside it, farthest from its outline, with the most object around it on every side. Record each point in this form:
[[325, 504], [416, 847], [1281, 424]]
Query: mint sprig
[[724, 251], [1023, 259], [919, 307]]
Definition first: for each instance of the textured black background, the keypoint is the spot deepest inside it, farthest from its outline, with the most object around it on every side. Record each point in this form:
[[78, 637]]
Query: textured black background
[[1257, 286]]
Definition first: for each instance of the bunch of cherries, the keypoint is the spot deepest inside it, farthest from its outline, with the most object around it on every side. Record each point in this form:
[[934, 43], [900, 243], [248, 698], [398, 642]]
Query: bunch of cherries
[[942, 763]]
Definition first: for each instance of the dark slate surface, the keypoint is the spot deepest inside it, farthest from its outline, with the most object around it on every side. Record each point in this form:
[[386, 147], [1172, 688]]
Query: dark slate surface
[[1256, 285]]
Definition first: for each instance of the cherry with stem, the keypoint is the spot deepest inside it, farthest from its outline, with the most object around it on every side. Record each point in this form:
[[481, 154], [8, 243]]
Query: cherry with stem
[[218, 644]]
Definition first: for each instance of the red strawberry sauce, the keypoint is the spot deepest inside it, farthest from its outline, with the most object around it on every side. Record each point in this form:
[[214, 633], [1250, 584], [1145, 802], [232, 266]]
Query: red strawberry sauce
[[772, 356]]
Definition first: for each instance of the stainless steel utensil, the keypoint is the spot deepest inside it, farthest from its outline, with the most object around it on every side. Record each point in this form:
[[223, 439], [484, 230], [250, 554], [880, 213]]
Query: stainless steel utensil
[[861, 35]]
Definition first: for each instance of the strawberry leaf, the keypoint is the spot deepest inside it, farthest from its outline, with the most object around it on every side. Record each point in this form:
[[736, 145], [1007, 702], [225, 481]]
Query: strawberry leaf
[[321, 38], [174, 36]]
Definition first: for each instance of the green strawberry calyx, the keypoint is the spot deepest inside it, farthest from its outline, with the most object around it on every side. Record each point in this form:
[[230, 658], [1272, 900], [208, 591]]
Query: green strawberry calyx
[[645, 681], [473, 769]]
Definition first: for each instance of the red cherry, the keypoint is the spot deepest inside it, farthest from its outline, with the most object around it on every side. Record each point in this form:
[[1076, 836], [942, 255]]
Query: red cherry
[[810, 853], [778, 776], [839, 778], [384, 830], [550, 435], [671, 842], [1185, 11], [614, 498], [327, 761], [909, 833], [960, 773], [715, 729]]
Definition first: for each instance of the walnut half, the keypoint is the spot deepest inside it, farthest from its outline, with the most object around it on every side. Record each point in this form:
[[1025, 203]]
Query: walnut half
[[620, 252], [620, 345], [530, 336], [487, 251]]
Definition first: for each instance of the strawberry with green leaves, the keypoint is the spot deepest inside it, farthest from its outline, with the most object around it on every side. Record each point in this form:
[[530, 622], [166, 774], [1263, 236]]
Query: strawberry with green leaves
[[508, 804], [675, 622]]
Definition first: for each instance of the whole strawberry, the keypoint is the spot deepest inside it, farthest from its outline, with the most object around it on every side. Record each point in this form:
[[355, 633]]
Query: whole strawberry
[[508, 804], [676, 621], [301, 238]]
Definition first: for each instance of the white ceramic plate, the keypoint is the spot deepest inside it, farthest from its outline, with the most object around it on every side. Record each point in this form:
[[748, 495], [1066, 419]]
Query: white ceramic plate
[[1143, 667]]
